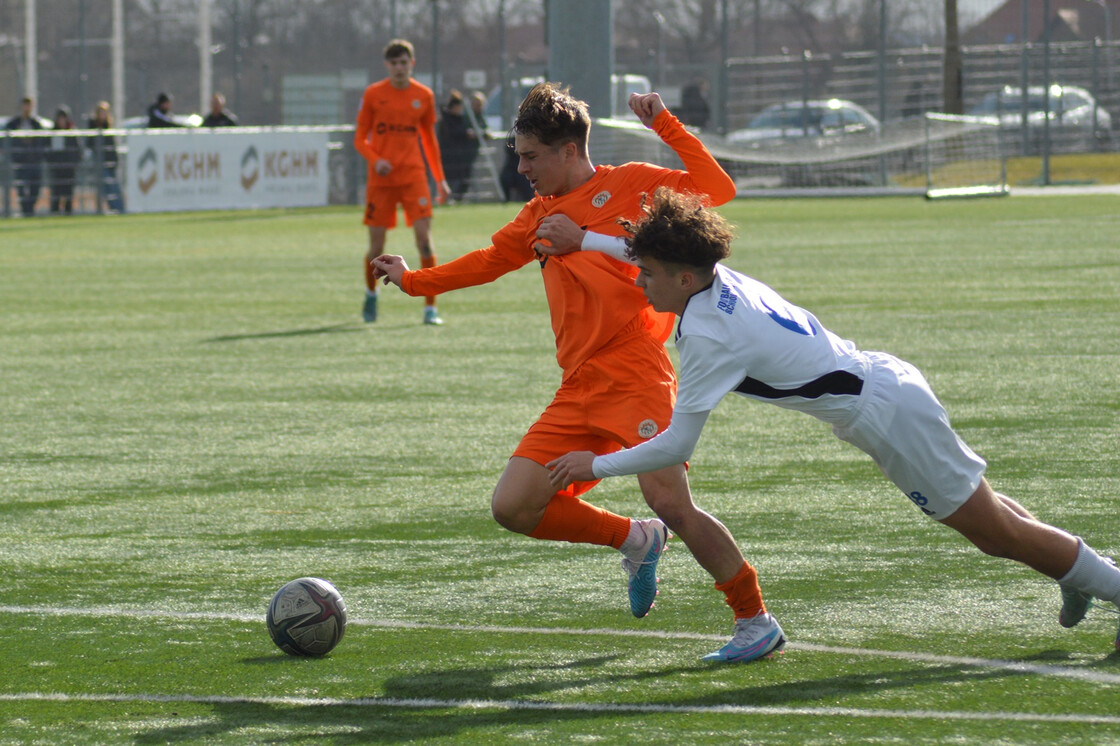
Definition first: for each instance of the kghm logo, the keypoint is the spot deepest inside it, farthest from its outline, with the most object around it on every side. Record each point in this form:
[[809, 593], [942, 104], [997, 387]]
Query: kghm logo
[[250, 168], [147, 170]]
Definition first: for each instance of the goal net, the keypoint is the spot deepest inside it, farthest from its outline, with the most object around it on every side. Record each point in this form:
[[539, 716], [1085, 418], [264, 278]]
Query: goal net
[[937, 155]]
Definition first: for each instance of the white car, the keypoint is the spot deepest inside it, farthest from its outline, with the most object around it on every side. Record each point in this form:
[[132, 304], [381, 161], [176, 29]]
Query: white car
[[1077, 122], [818, 118]]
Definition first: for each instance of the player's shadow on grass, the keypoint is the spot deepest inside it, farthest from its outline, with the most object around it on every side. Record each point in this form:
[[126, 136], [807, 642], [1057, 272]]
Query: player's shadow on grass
[[417, 708], [330, 329], [347, 328], [442, 703]]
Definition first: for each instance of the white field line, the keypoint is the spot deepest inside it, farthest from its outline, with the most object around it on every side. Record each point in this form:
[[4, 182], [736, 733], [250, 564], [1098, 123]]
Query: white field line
[[513, 704], [1080, 674]]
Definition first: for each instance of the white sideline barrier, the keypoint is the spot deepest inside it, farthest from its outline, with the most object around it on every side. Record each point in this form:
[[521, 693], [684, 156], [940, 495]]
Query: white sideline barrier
[[243, 168]]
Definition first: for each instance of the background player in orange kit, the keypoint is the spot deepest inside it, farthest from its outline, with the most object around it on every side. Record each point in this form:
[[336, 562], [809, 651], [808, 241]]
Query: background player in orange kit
[[618, 385], [395, 133]]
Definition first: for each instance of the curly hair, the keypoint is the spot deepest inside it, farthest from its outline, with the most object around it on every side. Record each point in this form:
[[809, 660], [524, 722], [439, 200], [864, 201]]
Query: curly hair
[[676, 228], [553, 116]]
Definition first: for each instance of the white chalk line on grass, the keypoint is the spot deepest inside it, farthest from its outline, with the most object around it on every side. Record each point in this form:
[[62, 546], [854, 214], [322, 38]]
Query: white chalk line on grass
[[1066, 672], [515, 704]]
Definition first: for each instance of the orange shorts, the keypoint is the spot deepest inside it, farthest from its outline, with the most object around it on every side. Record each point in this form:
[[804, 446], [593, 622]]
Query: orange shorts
[[382, 201], [616, 399]]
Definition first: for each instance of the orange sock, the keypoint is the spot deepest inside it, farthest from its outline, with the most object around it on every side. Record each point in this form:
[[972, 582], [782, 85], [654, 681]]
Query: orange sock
[[568, 518], [371, 282], [743, 593], [425, 263]]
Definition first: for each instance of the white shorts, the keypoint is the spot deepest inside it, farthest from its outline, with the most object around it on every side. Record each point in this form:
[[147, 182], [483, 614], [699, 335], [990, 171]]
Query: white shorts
[[901, 424]]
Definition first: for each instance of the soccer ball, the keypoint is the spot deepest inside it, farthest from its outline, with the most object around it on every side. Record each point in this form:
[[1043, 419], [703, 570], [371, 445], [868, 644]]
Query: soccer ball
[[306, 617]]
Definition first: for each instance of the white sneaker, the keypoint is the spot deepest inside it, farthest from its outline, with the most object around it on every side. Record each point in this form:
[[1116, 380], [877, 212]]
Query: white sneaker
[[641, 564], [758, 637]]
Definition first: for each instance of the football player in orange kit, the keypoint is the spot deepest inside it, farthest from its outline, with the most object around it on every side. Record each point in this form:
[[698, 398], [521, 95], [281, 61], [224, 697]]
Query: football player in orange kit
[[618, 385], [395, 133]]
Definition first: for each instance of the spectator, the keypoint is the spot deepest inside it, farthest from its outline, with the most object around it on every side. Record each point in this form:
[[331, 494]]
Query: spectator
[[458, 144], [159, 113], [478, 120], [62, 163], [27, 157], [219, 115], [104, 148], [913, 105], [694, 109]]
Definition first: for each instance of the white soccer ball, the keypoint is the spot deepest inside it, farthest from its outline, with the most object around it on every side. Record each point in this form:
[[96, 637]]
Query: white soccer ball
[[307, 617]]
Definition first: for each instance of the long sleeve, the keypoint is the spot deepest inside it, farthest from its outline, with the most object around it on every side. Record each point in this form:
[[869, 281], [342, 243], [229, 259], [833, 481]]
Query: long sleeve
[[361, 134], [475, 268], [674, 445], [703, 175], [430, 143]]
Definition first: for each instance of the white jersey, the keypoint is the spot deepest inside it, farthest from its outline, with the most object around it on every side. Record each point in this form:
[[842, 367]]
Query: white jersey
[[739, 335]]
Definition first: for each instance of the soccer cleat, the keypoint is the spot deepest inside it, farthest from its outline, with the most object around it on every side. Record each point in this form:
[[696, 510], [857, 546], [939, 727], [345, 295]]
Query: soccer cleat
[[1074, 605], [369, 308], [431, 316], [642, 566], [758, 637]]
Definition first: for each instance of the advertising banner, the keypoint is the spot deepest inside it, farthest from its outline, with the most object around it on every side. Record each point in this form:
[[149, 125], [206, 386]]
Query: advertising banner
[[226, 169]]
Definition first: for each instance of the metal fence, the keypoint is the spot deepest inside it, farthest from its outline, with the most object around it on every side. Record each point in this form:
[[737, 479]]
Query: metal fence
[[910, 81]]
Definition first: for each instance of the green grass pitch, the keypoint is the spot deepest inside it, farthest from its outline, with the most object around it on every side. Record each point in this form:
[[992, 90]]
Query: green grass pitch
[[192, 414]]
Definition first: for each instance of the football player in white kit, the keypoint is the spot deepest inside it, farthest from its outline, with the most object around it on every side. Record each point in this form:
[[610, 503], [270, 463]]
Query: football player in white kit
[[735, 334]]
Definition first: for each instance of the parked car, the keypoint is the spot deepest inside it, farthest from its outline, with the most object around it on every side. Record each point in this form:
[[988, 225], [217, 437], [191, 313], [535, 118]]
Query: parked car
[[824, 118], [1077, 122]]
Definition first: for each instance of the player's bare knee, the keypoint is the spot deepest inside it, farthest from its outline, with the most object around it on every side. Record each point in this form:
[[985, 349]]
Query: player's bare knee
[[511, 520], [670, 505]]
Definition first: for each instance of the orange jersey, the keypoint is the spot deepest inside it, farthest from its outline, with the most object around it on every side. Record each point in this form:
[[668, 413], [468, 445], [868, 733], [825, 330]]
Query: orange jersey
[[399, 126], [592, 298]]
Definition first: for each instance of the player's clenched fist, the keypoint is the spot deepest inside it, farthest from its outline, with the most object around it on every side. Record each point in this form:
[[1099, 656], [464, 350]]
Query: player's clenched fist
[[391, 267], [646, 106]]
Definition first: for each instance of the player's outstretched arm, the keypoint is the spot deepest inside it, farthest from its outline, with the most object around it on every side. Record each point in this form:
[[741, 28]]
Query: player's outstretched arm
[[391, 267]]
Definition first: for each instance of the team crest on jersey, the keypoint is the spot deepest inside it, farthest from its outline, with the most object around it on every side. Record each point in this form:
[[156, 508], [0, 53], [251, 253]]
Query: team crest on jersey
[[647, 428], [600, 199], [415, 103]]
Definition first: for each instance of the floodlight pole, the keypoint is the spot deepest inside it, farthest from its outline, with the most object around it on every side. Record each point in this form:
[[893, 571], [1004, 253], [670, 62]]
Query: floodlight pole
[[118, 59], [30, 52], [205, 75], [882, 60], [1046, 92], [1024, 78]]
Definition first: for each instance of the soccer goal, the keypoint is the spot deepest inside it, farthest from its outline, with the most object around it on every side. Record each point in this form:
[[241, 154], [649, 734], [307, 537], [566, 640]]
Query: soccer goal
[[964, 157], [935, 156]]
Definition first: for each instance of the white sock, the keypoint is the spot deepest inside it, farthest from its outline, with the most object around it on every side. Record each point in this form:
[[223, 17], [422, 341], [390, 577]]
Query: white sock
[[635, 540], [374, 293], [1093, 574]]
